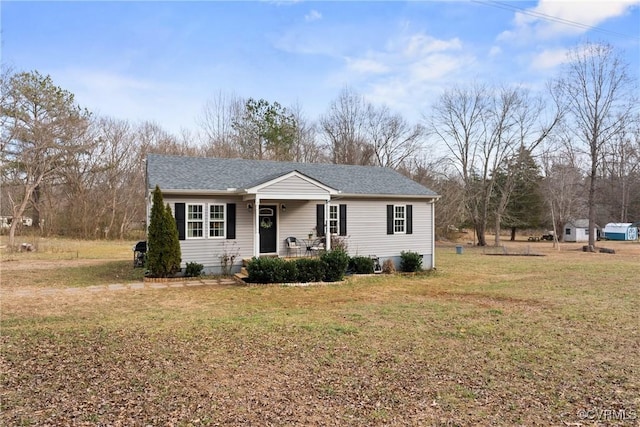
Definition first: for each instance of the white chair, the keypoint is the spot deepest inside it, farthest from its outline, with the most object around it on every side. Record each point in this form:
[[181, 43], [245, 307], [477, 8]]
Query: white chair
[[292, 246]]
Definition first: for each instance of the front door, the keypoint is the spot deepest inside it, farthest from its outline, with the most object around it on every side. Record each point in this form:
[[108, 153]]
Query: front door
[[268, 229]]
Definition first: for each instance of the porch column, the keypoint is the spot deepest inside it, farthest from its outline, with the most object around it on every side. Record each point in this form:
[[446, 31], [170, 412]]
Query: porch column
[[327, 229], [256, 227]]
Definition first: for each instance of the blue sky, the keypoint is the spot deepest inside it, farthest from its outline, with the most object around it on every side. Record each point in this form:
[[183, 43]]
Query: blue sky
[[161, 61]]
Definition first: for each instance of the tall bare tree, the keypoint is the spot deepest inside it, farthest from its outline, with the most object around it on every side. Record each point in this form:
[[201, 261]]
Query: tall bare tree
[[562, 189], [621, 172], [216, 122], [599, 94], [305, 146], [45, 129], [482, 127], [459, 120], [393, 139], [344, 129]]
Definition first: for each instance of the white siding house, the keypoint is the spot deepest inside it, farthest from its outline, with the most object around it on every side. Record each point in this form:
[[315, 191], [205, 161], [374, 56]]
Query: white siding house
[[250, 207]]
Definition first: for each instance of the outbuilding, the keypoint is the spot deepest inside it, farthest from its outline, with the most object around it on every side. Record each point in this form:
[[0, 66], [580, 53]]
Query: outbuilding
[[620, 231], [578, 231]]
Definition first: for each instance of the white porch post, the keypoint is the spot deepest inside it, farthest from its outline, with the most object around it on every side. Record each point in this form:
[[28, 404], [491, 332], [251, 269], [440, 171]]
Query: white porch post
[[256, 227], [327, 229]]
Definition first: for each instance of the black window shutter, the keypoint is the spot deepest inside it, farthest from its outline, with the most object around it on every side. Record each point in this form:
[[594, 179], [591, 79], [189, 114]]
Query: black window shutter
[[409, 219], [231, 220], [180, 223], [320, 220], [389, 219], [343, 220]]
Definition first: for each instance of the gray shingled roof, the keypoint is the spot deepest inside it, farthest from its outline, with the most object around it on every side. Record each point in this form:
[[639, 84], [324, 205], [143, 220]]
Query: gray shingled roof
[[213, 174]]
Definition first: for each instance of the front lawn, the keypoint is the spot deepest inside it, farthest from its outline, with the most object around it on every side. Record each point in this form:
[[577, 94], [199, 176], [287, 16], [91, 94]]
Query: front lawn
[[485, 340]]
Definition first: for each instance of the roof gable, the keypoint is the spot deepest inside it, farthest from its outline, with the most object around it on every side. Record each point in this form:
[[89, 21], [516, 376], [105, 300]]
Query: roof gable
[[293, 180]]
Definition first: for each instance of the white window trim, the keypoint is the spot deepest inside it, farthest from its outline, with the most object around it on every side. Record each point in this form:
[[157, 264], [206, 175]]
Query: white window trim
[[201, 221], [335, 220], [403, 218], [223, 221]]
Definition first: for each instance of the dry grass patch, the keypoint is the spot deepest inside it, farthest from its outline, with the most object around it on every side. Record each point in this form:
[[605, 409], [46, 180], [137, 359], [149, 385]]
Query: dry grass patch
[[484, 341]]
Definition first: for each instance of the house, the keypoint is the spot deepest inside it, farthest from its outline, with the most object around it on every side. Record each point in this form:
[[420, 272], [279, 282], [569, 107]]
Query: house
[[578, 231], [250, 207], [620, 231]]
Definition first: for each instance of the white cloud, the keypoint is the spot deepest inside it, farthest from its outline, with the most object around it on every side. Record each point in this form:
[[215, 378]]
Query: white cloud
[[555, 18], [408, 72], [314, 15], [366, 66], [495, 51], [548, 59], [421, 44]]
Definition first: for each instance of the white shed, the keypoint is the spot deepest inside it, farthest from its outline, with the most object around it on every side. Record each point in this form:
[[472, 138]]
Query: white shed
[[620, 231], [578, 231]]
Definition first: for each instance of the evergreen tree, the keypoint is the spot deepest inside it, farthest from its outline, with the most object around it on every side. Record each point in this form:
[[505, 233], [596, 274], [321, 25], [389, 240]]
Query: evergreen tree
[[524, 208], [163, 254]]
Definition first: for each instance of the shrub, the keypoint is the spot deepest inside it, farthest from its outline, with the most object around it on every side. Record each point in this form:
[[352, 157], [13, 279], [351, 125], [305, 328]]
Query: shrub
[[361, 265], [163, 255], [310, 269], [336, 262], [228, 258], [330, 267], [410, 261], [271, 270], [194, 269], [339, 243], [388, 267]]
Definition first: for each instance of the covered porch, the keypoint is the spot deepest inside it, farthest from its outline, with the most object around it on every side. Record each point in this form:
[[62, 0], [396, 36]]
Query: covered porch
[[290, 206]]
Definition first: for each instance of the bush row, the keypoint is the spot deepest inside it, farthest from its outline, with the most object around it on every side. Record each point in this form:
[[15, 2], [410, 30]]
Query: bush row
[[329, 267]]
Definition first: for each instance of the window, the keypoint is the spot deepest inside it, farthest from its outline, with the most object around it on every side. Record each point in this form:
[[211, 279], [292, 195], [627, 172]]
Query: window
[[567, 232], [195, 221], [334, 219], [216, 220], [399, 219]]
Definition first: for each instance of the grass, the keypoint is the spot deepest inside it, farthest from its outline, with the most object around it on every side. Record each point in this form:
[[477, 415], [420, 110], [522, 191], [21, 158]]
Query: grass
[[483, 341], [61, 263]]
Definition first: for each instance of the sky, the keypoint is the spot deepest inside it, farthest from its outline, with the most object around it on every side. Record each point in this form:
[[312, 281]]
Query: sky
[[162, 61]]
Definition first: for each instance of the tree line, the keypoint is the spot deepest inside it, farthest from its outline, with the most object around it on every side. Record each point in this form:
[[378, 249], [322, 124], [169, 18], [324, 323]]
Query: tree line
[[501, 157]]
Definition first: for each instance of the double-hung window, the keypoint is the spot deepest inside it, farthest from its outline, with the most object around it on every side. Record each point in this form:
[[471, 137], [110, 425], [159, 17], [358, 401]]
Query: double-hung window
[[334, 219], [399, 219], [216, 220], [195, 221]]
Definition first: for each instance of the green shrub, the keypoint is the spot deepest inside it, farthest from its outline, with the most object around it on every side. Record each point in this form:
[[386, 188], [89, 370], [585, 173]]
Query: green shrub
[[410, 261], [194, 269], [336, 262], [288, 272], [330, 267], [310, 269], [361, 265], [271, 270]]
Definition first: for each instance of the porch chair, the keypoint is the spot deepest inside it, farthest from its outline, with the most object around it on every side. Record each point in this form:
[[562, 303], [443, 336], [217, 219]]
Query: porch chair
[[318, 245], [292, 246]]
